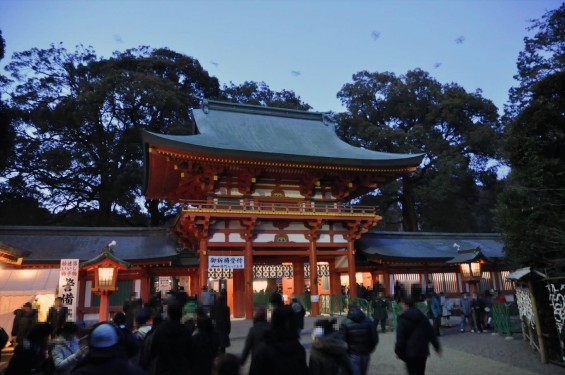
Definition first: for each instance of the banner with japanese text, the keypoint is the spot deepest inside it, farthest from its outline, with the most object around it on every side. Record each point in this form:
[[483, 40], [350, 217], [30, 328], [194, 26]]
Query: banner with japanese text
[[68, 286], [226, 261]]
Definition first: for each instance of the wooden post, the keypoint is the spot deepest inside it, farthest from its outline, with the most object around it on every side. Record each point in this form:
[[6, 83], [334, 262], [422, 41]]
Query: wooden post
[[103, 313], [335, 280], [203, 266], [541, 341], [145, 285], [298, 276], [351, 269], [239, 293], [248, 276], [313, 260]]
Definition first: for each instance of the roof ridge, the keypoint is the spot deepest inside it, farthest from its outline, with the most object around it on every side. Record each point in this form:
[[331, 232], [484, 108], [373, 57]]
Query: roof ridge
[[210, 104]]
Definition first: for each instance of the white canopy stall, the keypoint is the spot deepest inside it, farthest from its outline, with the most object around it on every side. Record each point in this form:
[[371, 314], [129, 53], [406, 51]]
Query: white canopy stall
[[38, 286]]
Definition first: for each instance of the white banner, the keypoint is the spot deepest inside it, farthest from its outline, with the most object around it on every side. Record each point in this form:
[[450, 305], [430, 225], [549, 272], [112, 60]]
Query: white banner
[[68, 286], [226, 261], [164, 284]]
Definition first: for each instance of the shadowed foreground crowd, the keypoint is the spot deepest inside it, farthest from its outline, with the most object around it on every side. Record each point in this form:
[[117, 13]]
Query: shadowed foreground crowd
[[188, 341]]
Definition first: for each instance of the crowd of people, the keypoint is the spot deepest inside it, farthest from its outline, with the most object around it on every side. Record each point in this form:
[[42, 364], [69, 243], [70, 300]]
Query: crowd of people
[[189, 335], [178, 336]]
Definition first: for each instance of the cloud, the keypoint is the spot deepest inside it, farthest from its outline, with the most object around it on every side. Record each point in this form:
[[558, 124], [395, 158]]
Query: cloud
[[295, 73]]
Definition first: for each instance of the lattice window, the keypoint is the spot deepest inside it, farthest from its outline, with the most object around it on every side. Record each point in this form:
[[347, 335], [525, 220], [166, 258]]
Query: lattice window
[[271, 271], [506, 285], [406, 280], [323, 270], [220, 273], [445, 282], [486, 281]]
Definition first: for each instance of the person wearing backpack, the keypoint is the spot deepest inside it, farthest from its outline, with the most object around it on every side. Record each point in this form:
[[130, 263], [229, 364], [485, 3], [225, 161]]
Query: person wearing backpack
[[65, 351]]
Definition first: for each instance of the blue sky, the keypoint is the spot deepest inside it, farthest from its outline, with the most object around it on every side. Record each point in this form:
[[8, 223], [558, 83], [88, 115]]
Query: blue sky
[[310, 47]]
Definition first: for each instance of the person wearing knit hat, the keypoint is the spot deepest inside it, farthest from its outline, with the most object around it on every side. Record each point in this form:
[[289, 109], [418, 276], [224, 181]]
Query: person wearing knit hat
[[106, 354]]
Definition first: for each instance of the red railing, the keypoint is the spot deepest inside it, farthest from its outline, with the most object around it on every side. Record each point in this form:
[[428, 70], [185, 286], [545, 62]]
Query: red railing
[[279, 207]]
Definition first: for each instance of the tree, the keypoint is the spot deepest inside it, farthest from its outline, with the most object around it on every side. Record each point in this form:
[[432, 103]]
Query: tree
[[413, 113], [260, 94], [531, 210], [78, 137], [543, 55], [6, 132]]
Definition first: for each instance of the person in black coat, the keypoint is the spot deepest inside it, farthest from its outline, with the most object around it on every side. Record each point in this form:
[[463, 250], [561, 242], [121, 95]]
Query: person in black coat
[[29, 355], [413, 336], [256, 335], [361, 336], [57, 316], [24, 320], [205, 345], [171, 344], [281, 353], [328, 355], [222, 320]]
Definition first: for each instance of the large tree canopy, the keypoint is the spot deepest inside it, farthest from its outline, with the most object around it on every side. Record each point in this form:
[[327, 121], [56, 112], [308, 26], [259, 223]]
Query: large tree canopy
[[458, 131], [6, 133], [531, 210], [78, 139], [543, 55], [259, 93], [78, 119]]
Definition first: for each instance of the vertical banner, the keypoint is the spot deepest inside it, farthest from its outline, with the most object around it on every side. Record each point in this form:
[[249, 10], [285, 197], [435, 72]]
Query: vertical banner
[[68, 286]]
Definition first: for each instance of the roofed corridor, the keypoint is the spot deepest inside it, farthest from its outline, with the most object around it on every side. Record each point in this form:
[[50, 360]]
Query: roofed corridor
[[292, 208]]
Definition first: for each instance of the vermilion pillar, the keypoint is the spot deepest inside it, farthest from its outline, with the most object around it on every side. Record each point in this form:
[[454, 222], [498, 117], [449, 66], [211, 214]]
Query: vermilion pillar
[[248, 276], [335, 280], [314, 279], [351, 269], [298, 276], [238, 293], [145, 285], [203, 267], [104, 308]]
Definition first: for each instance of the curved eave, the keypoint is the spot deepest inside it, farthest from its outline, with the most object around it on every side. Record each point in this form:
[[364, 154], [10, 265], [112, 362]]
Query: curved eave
[[182, 144]]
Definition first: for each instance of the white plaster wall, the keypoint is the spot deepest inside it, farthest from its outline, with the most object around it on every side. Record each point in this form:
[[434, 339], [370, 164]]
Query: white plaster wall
[[235, 237], [234, 224], [297, 238], [338, 238], [264, 237], [88, 294], [137, 287], [338, 226], [217, 237], [262, 193], [324, 238], [295, 226]]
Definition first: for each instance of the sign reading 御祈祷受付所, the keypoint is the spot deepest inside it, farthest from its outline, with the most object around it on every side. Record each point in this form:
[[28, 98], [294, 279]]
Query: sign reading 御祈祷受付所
[[68, 285], [226, 261]]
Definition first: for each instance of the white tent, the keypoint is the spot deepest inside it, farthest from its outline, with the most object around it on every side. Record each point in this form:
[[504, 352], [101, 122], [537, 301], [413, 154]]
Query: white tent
[[38, 286]]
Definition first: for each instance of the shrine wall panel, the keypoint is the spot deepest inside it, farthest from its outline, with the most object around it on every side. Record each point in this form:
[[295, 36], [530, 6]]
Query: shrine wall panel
[[235, 238]]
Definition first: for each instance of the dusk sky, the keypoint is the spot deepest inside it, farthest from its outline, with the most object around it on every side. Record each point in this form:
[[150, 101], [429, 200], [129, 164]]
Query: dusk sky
[[310, 47]]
